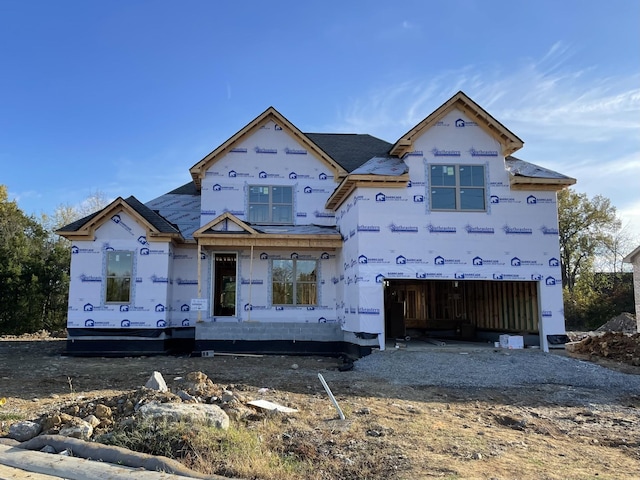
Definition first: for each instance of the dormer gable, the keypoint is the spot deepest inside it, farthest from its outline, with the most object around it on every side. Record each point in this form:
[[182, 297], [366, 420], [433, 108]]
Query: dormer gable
[[460, 101], [198, 171], [225, 223]]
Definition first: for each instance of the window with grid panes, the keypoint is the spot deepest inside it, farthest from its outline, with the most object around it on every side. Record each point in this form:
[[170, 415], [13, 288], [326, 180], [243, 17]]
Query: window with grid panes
[[457, 187]]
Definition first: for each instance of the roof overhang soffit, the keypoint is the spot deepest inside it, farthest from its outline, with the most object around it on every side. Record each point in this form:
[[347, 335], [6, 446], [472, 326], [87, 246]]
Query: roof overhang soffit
[[509, 141], [520, 182], [87, 231], [349, 184], [199, 170]]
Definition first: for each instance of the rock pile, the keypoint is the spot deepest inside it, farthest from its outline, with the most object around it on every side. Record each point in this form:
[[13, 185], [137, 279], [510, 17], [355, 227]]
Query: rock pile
[[196, 399], [625, 323]]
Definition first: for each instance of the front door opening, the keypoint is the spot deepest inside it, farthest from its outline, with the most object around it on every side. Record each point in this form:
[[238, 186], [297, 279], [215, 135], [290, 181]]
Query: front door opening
[[224, 285]]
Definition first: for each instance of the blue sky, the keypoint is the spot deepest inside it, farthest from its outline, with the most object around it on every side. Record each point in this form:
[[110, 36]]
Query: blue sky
[[123, 96]]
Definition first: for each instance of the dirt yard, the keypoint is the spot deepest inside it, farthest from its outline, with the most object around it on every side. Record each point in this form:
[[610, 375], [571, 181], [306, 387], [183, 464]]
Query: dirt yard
[[391, 431]]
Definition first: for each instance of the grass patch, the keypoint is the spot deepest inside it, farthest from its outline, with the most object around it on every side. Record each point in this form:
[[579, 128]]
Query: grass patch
[[10, 417], [237, 451]]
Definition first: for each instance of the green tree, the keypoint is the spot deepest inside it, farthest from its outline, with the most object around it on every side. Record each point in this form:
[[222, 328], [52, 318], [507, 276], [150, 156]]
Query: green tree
[[33, 273], [587, 229]]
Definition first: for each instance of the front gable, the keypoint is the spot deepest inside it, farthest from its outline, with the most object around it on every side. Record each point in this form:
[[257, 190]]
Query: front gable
[[155, 227], [225, 223], [269, 120], [474, 115]]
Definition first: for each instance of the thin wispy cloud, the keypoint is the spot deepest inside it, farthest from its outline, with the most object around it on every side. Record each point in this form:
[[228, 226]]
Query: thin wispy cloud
[[540, 94], [579, 121]]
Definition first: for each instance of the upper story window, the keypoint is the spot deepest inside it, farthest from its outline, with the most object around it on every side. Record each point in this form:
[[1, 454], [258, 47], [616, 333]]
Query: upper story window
[[457, 187], [119, 276], [270, 204]]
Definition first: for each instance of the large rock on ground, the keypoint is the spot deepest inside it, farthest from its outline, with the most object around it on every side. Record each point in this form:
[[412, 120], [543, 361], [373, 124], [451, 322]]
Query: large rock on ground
[[211, 415], [77, 428], [25, 430]]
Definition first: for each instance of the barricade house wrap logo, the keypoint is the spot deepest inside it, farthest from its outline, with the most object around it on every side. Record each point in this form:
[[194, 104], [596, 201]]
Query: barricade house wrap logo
[[533, 200], [440, 260], [381, 197], [460, 123], [363, 259], [219, 188], [309, 189], [235, 174], [518, 262], [117, 219], [77, 250], [494, 199], [481, 262], [402, 260], [264, 174], [507, 276], [551, 281]]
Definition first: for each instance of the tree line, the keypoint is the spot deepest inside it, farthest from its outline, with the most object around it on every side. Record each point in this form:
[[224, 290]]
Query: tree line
[[34, 262], [34, 265]]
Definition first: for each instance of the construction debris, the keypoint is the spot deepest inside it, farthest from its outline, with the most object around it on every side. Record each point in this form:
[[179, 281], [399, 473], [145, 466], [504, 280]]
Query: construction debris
[[271, 406], [618, 346]]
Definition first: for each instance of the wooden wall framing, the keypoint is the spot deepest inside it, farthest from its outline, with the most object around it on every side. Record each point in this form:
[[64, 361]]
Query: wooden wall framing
[[509, 306]]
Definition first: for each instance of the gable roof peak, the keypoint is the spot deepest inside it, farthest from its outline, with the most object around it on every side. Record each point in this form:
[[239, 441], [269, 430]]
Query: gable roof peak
[[461, 101], [198, 171]]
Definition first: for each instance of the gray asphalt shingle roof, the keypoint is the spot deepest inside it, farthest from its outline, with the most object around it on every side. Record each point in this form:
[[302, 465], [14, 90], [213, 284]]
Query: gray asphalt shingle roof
[[350, 150], [156, 220], [153, 217]]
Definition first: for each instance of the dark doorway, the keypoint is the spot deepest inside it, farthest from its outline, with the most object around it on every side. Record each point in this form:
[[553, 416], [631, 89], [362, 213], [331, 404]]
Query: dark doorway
[[224, 285]]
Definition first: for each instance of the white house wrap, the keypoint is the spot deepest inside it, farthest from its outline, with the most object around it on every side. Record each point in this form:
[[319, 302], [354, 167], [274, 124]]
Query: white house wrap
[[328, 243]]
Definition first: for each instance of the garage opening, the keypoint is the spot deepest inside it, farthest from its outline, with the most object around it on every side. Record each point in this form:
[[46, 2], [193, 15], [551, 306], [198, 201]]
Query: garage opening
[[464, 309]]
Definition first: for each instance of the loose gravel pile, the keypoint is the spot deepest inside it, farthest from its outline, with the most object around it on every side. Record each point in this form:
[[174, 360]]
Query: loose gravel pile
[[492, 368]]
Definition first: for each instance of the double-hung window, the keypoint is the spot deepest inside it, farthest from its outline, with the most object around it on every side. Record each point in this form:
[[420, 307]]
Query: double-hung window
[[119, 276], [457, 187], [271, 204], [294, 282]]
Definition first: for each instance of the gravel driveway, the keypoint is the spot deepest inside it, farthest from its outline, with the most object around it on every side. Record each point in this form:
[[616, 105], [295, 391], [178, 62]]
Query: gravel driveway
[[492, 368]]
